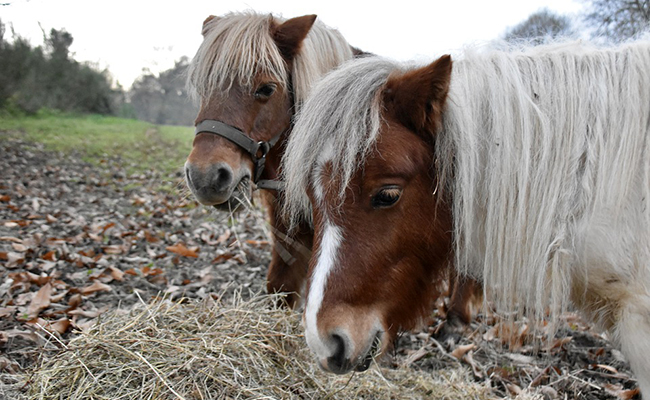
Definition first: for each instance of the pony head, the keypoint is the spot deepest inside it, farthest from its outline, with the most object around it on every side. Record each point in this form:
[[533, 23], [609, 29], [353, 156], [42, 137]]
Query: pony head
[[363, 155], [250, 73]]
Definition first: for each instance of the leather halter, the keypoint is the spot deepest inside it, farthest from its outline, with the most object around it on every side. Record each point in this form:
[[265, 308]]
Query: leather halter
[[257, 150]]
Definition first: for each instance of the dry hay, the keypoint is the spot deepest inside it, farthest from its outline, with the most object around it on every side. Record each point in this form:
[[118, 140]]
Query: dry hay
[[213, 350]]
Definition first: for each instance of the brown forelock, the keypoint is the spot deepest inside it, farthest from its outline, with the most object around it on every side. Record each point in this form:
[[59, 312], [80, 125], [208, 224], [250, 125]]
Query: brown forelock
[[262, 120], [289, 35], [390, 258], [417, 97]]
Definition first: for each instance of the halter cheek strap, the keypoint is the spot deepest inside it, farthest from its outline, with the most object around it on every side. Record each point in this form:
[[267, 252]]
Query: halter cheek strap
[[257, 150]]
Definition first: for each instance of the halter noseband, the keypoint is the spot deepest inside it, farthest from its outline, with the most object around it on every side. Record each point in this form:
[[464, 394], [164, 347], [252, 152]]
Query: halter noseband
[[257, 150]]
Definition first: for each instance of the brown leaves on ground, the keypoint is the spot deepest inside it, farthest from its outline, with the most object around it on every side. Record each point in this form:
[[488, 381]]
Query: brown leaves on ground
[[77, 240], [181, 250]]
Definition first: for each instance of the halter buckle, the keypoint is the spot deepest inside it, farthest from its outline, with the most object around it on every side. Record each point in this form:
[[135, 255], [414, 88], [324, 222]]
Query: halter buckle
[[260, 158]]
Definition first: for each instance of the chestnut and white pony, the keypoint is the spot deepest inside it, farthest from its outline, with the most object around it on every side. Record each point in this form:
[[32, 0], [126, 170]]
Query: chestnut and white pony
[[527, 168]]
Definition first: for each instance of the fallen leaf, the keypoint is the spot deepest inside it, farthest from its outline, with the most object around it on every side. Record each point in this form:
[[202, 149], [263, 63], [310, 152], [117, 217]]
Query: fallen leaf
[[113, 249], [28, 335], [618, 391], [416, 355], [9, 366], [559, 343], [60, 326], [87, 313], [181, 250], [476, 368], [150, 238], [258, 242], [115, 273], [10, 239], [19, 247], [74, 300], [7, 311], [148, 271], [223, 257], [49, 256], [460, 351], [94, 288], [541, 377], [107, 227], [41, 301], [606, 368], [513, 389], [224, 236]]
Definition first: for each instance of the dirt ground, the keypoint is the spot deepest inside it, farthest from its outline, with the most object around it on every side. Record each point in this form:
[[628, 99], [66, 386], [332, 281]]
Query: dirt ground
[[77, 240]]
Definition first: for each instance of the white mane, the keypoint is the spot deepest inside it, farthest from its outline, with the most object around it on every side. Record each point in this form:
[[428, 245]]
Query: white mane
[[544, 152], [339, 123], [237, 46], [550, 156]]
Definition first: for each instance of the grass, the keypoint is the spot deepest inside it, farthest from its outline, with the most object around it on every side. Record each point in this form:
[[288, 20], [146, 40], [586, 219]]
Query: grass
[[97, 139]]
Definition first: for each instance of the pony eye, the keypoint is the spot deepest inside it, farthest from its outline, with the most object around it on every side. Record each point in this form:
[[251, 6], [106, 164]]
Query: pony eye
[[386, 197], [265, 91]]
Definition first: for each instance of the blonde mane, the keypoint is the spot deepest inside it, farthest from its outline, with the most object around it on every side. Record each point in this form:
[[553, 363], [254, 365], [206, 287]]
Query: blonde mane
[[238, 46], [544, 150], [339, 124]]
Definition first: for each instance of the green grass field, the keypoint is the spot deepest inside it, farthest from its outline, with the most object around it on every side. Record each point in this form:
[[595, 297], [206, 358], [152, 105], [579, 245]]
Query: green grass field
[[140, 145]]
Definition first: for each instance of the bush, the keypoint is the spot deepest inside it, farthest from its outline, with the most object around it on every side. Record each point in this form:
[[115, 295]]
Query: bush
[[34, 78]]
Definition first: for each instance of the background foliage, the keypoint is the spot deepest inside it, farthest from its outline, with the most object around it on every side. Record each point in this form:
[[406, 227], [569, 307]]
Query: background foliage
[[48, 76]]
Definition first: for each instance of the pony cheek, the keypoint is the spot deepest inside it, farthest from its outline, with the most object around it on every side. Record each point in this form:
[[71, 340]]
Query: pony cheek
[[409, 284]]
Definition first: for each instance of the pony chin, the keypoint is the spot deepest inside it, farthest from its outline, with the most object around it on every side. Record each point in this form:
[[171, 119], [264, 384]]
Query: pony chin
[[239, 199], [235, 204]]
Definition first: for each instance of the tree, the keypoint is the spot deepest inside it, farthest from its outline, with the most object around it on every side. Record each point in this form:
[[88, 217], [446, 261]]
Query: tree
[[618, 20], [541, 26], [34, 78], [163, 99]]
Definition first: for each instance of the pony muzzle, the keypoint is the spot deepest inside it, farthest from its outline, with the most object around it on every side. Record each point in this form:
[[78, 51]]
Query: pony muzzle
[[345, 354], [217, 184]]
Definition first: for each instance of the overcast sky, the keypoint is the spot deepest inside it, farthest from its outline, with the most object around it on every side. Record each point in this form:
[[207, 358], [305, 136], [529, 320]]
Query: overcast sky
[[126, 36]]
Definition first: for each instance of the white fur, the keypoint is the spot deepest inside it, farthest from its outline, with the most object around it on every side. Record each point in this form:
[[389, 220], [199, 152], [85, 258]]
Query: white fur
[[545, 153], [327, 258]]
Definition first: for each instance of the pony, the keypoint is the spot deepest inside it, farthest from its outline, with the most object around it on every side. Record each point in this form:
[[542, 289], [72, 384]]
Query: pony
[[251, 73], [527, 168]]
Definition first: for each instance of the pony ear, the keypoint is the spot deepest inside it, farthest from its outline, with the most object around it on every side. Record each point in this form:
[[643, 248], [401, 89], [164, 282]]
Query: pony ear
[[289, 35], [206, 24], [417, 98]]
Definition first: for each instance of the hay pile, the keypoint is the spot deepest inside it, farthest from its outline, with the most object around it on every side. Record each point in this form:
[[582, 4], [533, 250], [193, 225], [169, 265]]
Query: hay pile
[[213, 350]]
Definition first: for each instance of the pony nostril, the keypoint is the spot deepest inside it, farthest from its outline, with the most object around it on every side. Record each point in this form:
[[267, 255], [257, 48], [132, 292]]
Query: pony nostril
[[222, 178], [337, 362], [188, 176]]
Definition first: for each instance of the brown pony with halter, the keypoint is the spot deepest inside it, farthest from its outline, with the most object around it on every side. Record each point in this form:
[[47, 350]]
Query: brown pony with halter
[[528, 169], [252, 73]]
